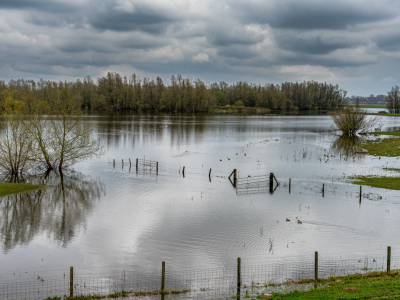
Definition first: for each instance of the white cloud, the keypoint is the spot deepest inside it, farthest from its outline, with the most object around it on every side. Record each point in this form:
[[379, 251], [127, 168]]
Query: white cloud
[[124, 6], [201, 57], [389, 79]]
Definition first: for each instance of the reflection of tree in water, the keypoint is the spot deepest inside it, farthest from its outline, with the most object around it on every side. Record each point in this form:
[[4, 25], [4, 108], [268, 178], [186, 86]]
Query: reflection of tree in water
[[60, 210], [347, 145]]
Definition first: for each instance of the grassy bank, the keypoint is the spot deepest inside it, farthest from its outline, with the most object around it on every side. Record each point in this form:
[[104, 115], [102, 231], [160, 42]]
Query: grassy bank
[[373, 285], [369, 105], [394, 133], [383, 147], [243, 110], [383, 114], [14, 188], [385, 182]]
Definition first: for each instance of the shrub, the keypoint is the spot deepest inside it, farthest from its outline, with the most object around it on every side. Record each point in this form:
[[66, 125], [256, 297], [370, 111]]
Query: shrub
[[352, 120], [239, 103]]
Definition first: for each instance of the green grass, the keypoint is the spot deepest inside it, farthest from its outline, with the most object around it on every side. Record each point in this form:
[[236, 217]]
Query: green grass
[[14, 188], [383, 147], [385, 182], [395, 133], [369, 105], [241, 109], [376, 285]]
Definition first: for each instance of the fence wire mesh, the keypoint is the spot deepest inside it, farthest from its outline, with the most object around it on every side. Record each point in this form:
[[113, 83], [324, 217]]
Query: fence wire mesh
[[215, 283]]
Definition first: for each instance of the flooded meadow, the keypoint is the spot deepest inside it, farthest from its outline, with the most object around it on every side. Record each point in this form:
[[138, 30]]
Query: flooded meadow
[[100, 217]]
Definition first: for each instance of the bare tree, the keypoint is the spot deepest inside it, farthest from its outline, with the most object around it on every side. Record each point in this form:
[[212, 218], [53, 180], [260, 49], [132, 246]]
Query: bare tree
[[393, 100]]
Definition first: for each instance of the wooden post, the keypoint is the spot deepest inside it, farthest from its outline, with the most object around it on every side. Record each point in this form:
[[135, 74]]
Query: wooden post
[[323, 189], [389, 254], [130, 163], [163, 276], [209, 173], [183, 171], [271, 180], [234, 177], [239, 279], [114, 162], [360, 192], [122, 162], [290, 184], [71, 282], [316, 266], [137, 163], [157, 168]]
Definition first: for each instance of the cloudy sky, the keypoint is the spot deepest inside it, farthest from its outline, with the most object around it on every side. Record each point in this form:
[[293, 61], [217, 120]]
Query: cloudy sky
[[353, 43]]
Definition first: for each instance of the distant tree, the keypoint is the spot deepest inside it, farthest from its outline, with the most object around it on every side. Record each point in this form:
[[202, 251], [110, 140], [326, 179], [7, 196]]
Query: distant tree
[[393, 100], [239, 103]]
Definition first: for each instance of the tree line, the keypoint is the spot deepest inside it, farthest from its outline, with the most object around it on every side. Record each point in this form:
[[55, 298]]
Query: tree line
[[114, 92]]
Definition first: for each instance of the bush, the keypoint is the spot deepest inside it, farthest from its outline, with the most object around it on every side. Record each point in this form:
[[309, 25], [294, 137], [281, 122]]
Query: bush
[[352, 120], [239, 103]]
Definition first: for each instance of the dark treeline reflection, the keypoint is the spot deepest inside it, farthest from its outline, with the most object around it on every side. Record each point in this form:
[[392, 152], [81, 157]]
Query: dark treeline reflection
[[59, 210]]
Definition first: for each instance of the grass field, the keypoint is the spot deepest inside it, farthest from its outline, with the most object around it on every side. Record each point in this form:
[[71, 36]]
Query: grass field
[[14, 188], [385, 182], [383, 147], [369, 105], [374, 285]]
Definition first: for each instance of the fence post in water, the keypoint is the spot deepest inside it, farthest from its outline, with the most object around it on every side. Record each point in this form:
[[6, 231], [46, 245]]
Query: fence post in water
[[114, 162], [157, 168], [209, 173], [239, 279], [137, 162], [271, 180], [130, 164], [183, 171], [234, 177], [71, 282], [290, 184], [360, 193], [389, 254], [316, 266], [323, 189], [163, 277]]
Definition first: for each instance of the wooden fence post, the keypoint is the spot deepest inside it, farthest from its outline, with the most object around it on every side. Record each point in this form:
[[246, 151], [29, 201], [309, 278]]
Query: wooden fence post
[[71, 282], [316, 266], [290, 184], [239, 279], [114, 162], [137, 162], [130, 163], [163, 277], [360, 192], [323, 190], [389, 254], [209, 173], [157, 168]]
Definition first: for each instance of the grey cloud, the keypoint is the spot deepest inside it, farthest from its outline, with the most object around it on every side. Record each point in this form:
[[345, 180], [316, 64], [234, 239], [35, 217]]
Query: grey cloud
[[310, 45], [39, 5], [388, 42], [142, 18], [228, 36], [309, 15]]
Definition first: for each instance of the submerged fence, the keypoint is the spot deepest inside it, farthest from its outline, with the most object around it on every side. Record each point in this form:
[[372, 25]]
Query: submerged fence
[[238, 281]]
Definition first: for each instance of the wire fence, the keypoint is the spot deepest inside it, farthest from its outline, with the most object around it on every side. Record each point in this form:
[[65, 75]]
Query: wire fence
[[238, 281]]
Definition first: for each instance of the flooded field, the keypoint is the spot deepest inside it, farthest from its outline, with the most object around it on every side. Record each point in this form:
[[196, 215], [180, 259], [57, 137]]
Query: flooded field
[[106, 218]]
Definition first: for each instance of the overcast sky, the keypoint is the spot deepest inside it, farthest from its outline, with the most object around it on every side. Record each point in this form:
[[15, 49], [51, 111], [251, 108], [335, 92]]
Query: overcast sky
[[353, 43]]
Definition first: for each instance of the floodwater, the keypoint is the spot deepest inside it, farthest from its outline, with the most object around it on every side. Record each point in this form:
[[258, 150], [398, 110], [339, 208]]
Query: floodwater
[[101, 216]]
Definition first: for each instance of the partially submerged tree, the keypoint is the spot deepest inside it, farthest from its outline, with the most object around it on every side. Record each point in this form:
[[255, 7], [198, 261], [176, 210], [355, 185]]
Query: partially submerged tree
[[352, 120], [393, 100], [50, 135]]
